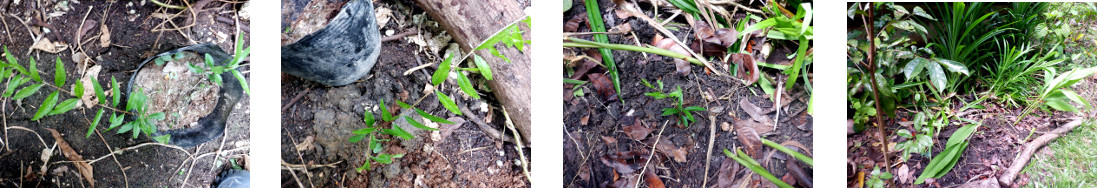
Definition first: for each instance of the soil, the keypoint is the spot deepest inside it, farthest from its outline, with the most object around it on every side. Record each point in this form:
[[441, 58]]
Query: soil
[[316, 127], [186, 95], [136, 30], [596, 126]]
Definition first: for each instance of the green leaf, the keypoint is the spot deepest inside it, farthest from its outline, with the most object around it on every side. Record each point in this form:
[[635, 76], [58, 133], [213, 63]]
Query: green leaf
[[417, 124], [937, 164], [99, 93], [794, 72], [46, 106], [159, 62], [59, 73], [126, 128], [914, 67], [34, 70], [365, 166], [385, 115], [919, 12], [694, 109], [432, 118], [1060, 104], [157, 116], [178, 56], [162, 138], [961, 135], [65, 106], [447, 102], [485, 70], [215, 78], [386, 158], [443, 71], [12, 84], [94, 122], [904, 133], [115, 92], [364, 131], [398, 132], [356, 138], [953, 66], [368, 118], [403, 105], [936, 76], [27, 91], [115, 120], [466, 85], [375, 144], [243, 81], [79, 89], [670, 111], [208, 60]]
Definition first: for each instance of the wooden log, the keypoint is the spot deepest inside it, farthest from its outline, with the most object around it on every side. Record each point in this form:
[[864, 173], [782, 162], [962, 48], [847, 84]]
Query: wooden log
[[470, 22], [1021, 161]]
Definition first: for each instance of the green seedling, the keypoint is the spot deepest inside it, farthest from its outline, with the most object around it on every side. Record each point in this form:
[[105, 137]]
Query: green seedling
[[685, 114], [370, 132], [213, 72]]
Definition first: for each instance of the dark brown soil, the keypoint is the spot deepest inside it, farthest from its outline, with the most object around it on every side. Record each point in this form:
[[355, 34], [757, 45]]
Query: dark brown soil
[[595, 126], [321, 122], [133, 40]]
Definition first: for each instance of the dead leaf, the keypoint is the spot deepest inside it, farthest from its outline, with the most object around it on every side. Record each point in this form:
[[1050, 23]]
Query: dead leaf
[[747, 69], [669, 44], [637, 132], [625, 162], [754, 111], [48, 46], [306, 144], [89, 99], [623, 28], [447, 129], [584, 120], [802, 178], [682, 67], [104, 37], [669, 149], [383, 16], [603, 86], [652, 179], [610, 141], [573, 24], [750, 139], [725, 176], [88, 24], [84, 168]]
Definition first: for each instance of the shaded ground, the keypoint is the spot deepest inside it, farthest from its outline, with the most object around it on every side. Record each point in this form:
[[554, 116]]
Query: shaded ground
[[137, 33], [596, 126], [316, 127]]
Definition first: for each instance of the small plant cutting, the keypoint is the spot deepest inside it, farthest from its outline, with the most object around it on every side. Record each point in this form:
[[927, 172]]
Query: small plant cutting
[[373, 128], [685, 114]]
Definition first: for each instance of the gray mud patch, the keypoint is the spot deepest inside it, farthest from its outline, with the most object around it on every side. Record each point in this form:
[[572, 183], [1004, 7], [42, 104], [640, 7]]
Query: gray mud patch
[[182, 95]]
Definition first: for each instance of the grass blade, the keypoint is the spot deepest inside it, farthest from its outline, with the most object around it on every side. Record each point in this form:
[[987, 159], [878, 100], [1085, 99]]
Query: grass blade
[[594, 14], [242, 80], [435, 119], [99, 93], [115, 92]]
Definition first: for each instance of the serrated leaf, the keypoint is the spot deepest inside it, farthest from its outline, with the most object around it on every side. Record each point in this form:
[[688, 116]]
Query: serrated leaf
[[417, 124], [27, 91], [385, 115], [46, 107], [398, 132], [432, 118], [442, 72], [115, 92], [447, 102], [936, 76], [466, 86], [94, 122], [485, 70], [59, 73], [953, 66], [63, 107]]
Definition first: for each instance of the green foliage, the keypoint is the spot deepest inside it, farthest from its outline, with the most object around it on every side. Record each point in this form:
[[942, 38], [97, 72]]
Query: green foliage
[[796, 28], [754, 166], [370, 131], [965, 33], [920, 140], [877, 178], [594, 15], [214, 71], [1014, 76], [944, 161], [1055, 92], [685, 114]]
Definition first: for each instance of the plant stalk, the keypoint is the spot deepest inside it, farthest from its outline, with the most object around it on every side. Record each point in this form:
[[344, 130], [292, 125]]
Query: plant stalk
[[580, 43], [875, 87]]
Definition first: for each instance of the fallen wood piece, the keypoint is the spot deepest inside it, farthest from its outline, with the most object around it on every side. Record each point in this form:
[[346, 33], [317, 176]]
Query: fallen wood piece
[[471, 22], [1021, 160]]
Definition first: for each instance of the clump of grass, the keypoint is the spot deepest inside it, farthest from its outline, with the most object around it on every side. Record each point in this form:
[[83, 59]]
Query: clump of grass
[[1064, 168]]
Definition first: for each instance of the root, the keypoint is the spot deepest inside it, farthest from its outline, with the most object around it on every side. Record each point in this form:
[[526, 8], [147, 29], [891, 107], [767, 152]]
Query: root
[[1022, 159]]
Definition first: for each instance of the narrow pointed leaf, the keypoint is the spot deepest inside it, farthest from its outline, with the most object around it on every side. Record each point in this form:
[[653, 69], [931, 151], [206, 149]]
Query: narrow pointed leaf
[[115, 92], [385, 115], [34, 70], [398, 132], [243, 81], [442, 72], [94, 122], [63, 107], [99, 93], [59, 73], [485, 70], [466, 85], [46, 106], [79, 89], [435, 119], [368, 118], [27, 91], [447, 102], [417, 124]]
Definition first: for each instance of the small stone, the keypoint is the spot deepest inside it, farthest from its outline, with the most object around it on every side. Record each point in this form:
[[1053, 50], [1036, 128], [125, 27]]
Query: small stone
[[725, 126]]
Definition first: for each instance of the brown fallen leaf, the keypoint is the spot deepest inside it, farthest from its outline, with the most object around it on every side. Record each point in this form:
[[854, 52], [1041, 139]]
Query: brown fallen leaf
[[625, 162], [610, 141], [87, 25], [903, 174], [104, 38], [748, 70], [652, 179], [447, 129], [637, 132], [725, 177], [750, 139], [754, 111], [573, 24], [84, 168], [89, 99], [682, 67], [603, 86], [306, 144], [669, 149], [668, 44], [801, 178], [48, 46]]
